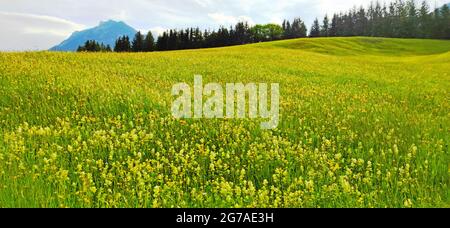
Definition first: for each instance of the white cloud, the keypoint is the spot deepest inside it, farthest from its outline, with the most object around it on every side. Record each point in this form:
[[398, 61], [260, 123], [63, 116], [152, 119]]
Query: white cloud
[[121, 16], [64, 16], [157, 30], [31, 32], [276, 20], [222, 19], [204, 3]]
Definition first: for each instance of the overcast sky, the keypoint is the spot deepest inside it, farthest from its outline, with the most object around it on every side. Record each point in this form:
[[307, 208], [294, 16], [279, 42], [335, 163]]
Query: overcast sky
[[41, 24]]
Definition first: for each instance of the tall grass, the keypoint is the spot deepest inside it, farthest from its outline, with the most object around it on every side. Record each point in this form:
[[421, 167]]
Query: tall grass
[[364, 123]]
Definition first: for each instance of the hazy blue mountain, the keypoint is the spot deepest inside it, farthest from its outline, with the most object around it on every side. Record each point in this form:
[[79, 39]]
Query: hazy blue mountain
[[106, 32]]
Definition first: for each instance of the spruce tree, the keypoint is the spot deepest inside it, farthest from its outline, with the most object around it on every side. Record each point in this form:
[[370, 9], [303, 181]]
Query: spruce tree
[[324, 32], [424, 21], [315, 29], [298, 29], [288, 31], [444, 23], [149, 42], [411, 22], [138, 42], [334, 24], [361, 23]]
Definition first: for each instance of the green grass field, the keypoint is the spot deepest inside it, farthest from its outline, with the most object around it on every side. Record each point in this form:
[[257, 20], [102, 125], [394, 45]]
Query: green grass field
[[364, 123]]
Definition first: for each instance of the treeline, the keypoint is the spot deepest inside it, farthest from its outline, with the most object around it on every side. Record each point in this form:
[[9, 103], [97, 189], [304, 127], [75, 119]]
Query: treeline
[[140, 43], [194, 38], [94, 46], [241, 33], [399, 19]]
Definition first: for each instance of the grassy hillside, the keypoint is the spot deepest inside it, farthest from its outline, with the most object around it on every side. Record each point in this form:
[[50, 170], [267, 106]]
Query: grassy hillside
[[367, 46], [364, 123]]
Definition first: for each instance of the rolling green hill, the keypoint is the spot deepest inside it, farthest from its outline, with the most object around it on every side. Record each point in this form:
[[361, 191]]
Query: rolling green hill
[[364, 123], [367, 46]]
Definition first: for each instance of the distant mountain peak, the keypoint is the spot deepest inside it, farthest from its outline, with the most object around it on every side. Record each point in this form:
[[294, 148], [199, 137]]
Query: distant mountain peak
[[111, 22], [108, 21], [106, 32]]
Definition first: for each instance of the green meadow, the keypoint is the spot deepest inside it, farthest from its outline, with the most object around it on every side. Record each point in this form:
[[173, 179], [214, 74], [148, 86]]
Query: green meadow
[[365, 122]]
